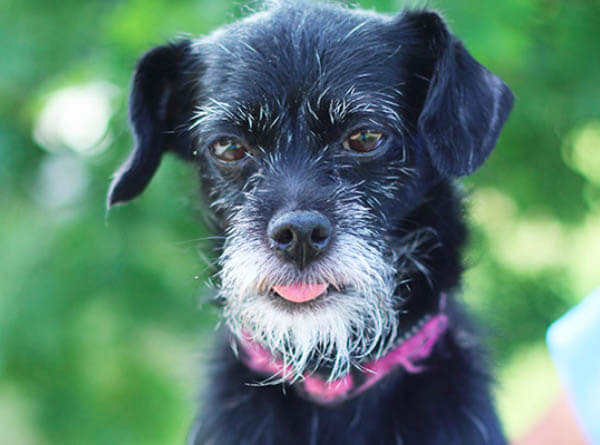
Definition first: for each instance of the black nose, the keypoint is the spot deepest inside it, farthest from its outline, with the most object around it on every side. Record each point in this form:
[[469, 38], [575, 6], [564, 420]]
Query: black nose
[[299, 236]]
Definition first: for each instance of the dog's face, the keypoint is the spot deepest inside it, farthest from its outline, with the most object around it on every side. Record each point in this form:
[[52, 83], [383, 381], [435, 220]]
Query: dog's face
[[317, 131]]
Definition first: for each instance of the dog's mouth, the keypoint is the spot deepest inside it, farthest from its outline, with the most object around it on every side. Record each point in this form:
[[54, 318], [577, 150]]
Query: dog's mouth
[[300, 292]]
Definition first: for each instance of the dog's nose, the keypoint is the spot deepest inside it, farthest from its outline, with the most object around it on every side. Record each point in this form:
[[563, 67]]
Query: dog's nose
[[300, 235]]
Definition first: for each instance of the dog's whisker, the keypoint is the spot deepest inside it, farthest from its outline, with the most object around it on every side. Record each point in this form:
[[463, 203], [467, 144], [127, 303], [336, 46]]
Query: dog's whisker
[[199, 240]]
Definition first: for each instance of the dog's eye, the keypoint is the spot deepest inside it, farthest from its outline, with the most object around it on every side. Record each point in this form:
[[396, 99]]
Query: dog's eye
[[228, 149], [363, 141]]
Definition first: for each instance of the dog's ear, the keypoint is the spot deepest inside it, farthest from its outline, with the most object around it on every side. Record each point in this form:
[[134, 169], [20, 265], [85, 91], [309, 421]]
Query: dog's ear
[[160, 108], [465, 105]]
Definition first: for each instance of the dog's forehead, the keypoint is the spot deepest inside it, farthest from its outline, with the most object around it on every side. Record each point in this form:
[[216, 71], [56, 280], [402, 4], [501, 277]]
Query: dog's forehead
[[319, 55]]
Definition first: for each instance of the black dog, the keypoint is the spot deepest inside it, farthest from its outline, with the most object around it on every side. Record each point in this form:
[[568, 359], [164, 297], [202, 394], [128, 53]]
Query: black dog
[[327, 139]]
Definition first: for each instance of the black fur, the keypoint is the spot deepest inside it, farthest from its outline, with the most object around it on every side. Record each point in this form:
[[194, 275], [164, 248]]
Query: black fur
[[272, 81]]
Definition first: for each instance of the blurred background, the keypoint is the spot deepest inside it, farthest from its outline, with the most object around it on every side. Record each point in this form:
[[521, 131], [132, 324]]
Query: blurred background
[[102, 334]]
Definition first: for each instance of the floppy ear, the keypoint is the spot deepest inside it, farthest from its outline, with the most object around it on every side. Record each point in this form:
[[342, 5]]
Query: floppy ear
[[465, 105], [160, 108]]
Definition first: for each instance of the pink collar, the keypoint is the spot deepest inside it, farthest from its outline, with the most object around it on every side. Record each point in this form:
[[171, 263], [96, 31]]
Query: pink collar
[[319, 390]]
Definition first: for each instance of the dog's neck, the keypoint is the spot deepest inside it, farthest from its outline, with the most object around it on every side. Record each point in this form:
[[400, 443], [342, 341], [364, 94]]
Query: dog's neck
[[407, 354]]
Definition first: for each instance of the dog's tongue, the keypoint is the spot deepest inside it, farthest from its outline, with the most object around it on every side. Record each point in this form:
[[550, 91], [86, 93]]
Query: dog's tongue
[[300, 292]]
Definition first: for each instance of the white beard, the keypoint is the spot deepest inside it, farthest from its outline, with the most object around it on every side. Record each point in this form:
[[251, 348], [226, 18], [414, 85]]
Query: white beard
[[355, 319]]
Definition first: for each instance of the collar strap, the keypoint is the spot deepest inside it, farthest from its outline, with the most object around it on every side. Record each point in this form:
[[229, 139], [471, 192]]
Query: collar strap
[[319, 390]]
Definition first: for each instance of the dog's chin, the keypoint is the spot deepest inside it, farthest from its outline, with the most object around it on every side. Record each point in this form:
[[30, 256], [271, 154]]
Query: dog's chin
[[286, 310], [328, 335]]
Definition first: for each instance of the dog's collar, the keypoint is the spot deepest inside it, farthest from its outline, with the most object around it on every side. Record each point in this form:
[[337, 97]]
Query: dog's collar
[[317, 389]]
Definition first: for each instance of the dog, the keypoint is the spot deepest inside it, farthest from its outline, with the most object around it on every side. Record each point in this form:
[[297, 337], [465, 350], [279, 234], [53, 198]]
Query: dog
[[327, 141]]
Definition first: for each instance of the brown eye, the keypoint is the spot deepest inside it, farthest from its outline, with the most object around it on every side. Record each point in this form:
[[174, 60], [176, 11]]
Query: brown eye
[[228, 149], [363, 141]]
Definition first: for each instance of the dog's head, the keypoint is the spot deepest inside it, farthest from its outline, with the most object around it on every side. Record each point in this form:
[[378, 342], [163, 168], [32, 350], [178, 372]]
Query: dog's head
[[317, 130]]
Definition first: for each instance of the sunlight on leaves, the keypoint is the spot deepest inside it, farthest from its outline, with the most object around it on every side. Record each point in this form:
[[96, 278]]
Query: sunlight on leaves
[[76, 118]]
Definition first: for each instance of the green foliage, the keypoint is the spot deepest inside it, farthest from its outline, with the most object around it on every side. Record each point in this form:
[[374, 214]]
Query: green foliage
[[99, 319]]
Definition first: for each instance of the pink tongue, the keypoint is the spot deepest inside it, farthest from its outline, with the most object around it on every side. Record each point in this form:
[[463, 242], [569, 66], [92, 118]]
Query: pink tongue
[[300, 292]]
